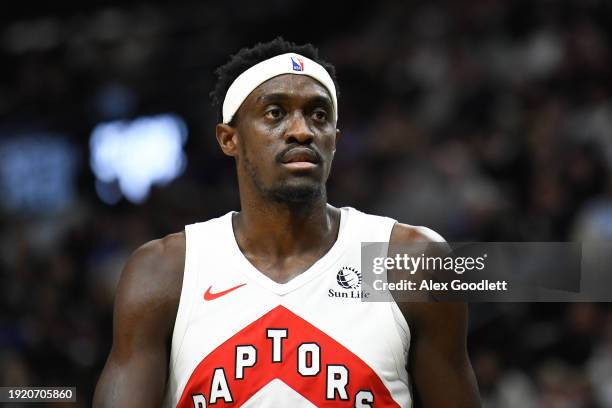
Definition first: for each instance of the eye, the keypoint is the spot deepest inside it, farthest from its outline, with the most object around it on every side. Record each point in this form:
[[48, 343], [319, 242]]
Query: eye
[[320, 115], [274, 113]]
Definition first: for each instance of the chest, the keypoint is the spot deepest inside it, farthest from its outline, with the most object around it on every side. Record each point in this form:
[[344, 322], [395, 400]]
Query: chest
[[317, 335]]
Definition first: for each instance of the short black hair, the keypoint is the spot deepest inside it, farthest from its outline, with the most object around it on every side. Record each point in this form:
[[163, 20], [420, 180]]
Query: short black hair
[[247, 57]]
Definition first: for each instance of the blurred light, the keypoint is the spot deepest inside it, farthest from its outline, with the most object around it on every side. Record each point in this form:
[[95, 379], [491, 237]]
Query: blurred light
[[137, 154], [110, 193], [36, 35], [114, 101], [37, 173]]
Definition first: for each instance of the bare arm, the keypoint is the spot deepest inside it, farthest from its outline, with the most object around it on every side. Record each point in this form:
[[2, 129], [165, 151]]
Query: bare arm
[[145, 309], [439, 365]]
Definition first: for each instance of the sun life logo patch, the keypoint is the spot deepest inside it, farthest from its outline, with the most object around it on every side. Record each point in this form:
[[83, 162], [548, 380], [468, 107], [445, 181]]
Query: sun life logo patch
[[348, 278]]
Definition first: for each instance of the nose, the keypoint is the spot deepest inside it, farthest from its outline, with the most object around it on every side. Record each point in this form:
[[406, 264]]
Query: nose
[[298, 130]]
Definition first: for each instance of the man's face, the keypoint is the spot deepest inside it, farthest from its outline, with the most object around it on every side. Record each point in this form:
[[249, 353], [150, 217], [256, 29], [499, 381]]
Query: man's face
[[286, 136]]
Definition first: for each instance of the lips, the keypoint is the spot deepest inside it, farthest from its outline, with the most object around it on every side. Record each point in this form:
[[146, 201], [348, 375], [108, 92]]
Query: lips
[[300, 155]]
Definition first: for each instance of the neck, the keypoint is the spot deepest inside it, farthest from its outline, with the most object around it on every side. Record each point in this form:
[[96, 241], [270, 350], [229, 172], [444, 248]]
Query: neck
[[278, 229]]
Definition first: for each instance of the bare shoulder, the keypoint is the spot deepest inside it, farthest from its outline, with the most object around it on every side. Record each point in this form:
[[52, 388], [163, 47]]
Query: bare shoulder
[[158, 263], [152, 279], [406, 234], [160, 256], [427, 313]]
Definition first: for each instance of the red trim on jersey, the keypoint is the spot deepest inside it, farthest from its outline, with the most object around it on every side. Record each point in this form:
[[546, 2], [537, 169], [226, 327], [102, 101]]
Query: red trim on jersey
[[361, 376]]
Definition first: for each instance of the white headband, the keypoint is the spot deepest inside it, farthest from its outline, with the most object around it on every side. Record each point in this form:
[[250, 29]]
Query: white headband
[[260, 73]]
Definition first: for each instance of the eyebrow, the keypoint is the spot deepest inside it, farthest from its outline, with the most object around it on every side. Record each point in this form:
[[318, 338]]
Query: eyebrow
[[280, 96]]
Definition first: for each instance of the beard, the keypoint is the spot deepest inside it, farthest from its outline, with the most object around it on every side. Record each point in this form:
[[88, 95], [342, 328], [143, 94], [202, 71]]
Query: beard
[[299, 192], [296, 194]]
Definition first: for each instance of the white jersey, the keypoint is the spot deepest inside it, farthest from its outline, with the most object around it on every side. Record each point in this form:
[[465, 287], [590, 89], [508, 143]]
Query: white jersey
[[242, 339]]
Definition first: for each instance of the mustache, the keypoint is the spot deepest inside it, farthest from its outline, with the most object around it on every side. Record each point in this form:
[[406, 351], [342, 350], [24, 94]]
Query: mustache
[[279, 157]]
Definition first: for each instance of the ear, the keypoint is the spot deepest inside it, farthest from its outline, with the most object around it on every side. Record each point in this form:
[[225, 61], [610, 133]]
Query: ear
[[227, 138], [338, 135]]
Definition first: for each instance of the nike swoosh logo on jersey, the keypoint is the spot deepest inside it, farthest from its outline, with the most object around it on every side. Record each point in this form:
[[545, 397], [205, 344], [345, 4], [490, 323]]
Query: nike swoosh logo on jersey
[[208, 295]]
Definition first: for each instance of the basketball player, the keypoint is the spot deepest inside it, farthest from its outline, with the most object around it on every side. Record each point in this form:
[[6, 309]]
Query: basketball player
[[249, 309]]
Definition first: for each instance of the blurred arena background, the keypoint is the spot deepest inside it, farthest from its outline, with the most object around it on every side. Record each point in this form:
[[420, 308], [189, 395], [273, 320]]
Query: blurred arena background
[[487, 120]]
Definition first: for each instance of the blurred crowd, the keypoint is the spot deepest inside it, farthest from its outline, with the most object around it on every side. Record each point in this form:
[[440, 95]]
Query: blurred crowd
[[486, 120]]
